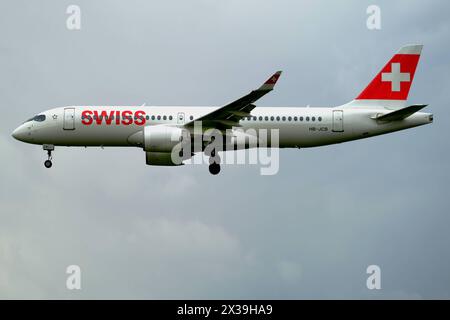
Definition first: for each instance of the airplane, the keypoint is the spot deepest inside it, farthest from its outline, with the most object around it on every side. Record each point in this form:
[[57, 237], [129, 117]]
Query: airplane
[[379, 109]]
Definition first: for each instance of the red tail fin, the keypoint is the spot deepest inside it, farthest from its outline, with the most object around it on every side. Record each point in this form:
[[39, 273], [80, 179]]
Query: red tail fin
[[394, 80]]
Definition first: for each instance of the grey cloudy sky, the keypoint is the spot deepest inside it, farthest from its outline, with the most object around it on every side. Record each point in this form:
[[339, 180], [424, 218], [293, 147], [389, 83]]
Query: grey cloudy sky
[[150, 232]]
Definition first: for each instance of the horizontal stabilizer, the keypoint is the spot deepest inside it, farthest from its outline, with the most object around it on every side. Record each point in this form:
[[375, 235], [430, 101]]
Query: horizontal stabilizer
[[401, 113]]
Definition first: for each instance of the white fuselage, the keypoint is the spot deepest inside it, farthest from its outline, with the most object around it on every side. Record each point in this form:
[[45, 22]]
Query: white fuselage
[[298, 127]]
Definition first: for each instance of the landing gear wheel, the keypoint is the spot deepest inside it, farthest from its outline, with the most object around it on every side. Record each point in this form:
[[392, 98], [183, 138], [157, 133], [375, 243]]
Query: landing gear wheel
[[48, 164], [214, 168]]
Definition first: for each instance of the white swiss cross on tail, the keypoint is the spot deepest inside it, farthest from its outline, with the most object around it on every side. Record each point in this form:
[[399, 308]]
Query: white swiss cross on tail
[[391, 85], [395, 77]]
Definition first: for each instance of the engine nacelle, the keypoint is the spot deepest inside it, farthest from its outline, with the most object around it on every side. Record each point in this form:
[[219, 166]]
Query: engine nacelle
[[161, 141], [162, 138], [160, 159]]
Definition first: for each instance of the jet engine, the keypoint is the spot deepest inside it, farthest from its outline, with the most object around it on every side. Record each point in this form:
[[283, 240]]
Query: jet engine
[[163, 145]]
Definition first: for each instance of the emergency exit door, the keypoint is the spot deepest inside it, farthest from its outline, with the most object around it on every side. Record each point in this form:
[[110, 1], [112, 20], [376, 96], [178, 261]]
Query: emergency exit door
[[180, 118], [338, 121]]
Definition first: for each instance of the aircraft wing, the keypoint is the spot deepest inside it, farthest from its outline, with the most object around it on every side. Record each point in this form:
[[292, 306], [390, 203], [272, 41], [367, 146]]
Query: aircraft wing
[[229, 115]]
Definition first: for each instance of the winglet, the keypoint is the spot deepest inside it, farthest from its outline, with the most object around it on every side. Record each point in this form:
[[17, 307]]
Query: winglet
[[270, 83]]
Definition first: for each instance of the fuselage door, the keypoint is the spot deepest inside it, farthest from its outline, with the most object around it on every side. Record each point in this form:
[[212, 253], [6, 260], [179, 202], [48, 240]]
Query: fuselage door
[[69, 119], [180, 118], [338, 121]]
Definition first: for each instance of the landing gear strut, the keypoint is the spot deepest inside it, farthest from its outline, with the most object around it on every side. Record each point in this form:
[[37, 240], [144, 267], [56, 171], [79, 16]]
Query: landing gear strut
[[214, 163], [49, 148]]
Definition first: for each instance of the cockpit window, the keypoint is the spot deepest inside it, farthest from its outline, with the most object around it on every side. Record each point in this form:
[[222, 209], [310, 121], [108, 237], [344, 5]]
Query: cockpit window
[[38, 118]]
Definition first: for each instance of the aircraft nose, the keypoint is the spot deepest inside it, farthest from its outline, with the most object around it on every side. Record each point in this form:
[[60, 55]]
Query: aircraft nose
[[19, 133]]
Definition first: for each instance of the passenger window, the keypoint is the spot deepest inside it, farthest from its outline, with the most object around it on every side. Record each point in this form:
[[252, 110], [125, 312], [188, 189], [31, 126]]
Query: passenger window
[[319, 118], [266, 118], [284, 118], [313, 119], [289, 118], [295, 118], [278, 118], [158, 117], [307, 118], [301, 118], [272, 118], [260, 118], [164, 118]]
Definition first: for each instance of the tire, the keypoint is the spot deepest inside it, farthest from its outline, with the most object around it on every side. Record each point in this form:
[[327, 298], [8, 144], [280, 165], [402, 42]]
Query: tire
[[48, 164], [214, 168]]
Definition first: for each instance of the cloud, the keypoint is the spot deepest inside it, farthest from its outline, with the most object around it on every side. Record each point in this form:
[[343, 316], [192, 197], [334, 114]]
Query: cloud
[[150, 232]]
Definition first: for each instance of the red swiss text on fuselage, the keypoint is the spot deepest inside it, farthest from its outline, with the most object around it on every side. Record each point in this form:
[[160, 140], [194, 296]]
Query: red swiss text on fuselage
[[113, 117]]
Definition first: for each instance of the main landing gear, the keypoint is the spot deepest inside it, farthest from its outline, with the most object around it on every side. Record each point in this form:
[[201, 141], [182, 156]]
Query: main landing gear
[[49, 148], [214, 163]]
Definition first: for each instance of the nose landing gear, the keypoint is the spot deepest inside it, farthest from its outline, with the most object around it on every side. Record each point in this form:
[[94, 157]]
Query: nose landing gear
[[49, 148]]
